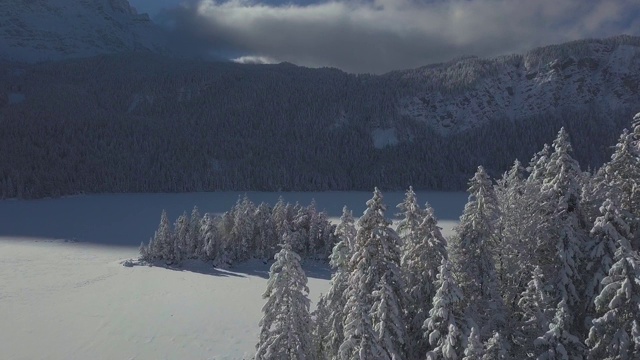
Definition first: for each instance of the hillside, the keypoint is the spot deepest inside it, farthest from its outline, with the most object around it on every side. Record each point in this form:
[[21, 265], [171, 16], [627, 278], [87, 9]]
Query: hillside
[[140, 122], [41, 30]]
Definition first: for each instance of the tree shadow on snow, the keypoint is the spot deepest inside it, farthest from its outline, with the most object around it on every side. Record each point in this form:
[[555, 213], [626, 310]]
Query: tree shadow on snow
[[260, 268], [194, 266]]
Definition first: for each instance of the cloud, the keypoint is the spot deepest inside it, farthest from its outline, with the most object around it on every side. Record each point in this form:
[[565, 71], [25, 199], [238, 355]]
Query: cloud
[[252, 59], [383, 35]]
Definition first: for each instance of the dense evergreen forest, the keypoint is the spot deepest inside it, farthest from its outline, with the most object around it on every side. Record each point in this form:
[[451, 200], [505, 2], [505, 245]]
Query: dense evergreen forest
[[544, 264], [143, 123]]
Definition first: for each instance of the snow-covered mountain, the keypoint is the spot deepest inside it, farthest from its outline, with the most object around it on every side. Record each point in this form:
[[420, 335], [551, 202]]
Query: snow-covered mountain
[[144, 123], [598, 74], [40, 30]]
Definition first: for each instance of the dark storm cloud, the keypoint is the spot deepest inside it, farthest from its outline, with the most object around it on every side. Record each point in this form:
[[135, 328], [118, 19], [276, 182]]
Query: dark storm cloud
[[383, 35]]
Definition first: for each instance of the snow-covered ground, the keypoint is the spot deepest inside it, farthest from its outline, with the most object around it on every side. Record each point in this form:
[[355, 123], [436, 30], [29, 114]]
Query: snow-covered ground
[[65, 295]]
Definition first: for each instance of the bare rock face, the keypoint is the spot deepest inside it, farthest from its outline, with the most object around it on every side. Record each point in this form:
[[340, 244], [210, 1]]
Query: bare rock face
[[42, 30]]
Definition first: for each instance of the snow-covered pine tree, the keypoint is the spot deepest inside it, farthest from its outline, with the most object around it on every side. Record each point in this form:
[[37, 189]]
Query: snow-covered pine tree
[[516, 233], [161, 246], [214, 248], [194, 243], [411, 217], [286, 323], [620, 181], [601, 248], [281, 216], [621, 175], [346, 230], [495, 348], [559, 343], [266, 236], [144, 252], [181, 237], [388, 319], [471, 255], [532, 315], [243, 232], [360, 340], [320, 324], [538, 165], [443, 326], [420, 264], [474, 349], [615, 334], [335, 300], [635, 125], [560, 252], [376, 255]]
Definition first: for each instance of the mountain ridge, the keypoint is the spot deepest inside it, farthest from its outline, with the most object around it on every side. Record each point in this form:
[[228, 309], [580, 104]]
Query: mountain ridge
[[142, 122], [45, 30]]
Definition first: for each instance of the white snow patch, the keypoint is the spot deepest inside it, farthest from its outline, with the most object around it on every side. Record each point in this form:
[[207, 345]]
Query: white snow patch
[[384, 137], [139, 99], [62, 301]]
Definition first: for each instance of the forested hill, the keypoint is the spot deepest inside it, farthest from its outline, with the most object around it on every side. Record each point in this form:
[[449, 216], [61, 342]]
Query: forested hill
[[144, 123]]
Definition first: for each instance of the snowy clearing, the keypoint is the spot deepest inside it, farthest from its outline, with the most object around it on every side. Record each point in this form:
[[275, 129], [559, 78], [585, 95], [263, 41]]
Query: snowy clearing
[[63, 299]]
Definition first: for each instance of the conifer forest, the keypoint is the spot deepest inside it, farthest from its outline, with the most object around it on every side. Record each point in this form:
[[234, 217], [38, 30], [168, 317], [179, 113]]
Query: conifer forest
[[544, 264]]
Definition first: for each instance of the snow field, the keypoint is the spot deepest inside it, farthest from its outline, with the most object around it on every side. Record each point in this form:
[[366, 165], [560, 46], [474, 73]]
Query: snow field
[[62, 299]]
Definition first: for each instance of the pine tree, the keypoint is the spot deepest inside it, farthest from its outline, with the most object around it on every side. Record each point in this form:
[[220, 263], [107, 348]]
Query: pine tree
[[560, 248], [161, 246], [420, 265], [538, 165], [266, 236], [376, 255], [243, 231], [286, 323], [411, 218], [558, 343], [144, 252], [213, 246], [443, 326], [360, 340], [346, 230], [533, 315], [335, 300], [495, 348], [194, 242], [388, 321], [516, 234], [181, 237], [615, 334], [320, 324], [601, 248], [474, 349], [471, 255]]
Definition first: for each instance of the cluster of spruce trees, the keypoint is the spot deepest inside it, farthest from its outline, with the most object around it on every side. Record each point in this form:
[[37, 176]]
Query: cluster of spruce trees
[[543, 265], [244, 232]]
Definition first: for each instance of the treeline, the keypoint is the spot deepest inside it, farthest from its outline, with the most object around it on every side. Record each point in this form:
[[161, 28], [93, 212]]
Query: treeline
[[543, 265], [245, 232]]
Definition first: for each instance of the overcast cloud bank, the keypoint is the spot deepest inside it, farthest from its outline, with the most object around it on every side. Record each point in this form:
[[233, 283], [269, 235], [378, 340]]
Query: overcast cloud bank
[[383, 35]]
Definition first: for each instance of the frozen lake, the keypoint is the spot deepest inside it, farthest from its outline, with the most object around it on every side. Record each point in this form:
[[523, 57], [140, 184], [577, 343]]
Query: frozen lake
[[127, 219]]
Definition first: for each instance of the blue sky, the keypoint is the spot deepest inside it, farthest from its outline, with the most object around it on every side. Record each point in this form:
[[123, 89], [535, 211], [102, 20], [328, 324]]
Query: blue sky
[[377, 36]]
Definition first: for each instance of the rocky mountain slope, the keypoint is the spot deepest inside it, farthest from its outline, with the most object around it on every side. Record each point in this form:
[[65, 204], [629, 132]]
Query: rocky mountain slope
[[40, 30], [599, 74]]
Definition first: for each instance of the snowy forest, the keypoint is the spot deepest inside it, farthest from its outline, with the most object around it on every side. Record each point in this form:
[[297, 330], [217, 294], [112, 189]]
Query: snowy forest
[[544, 264], [141, 123]]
